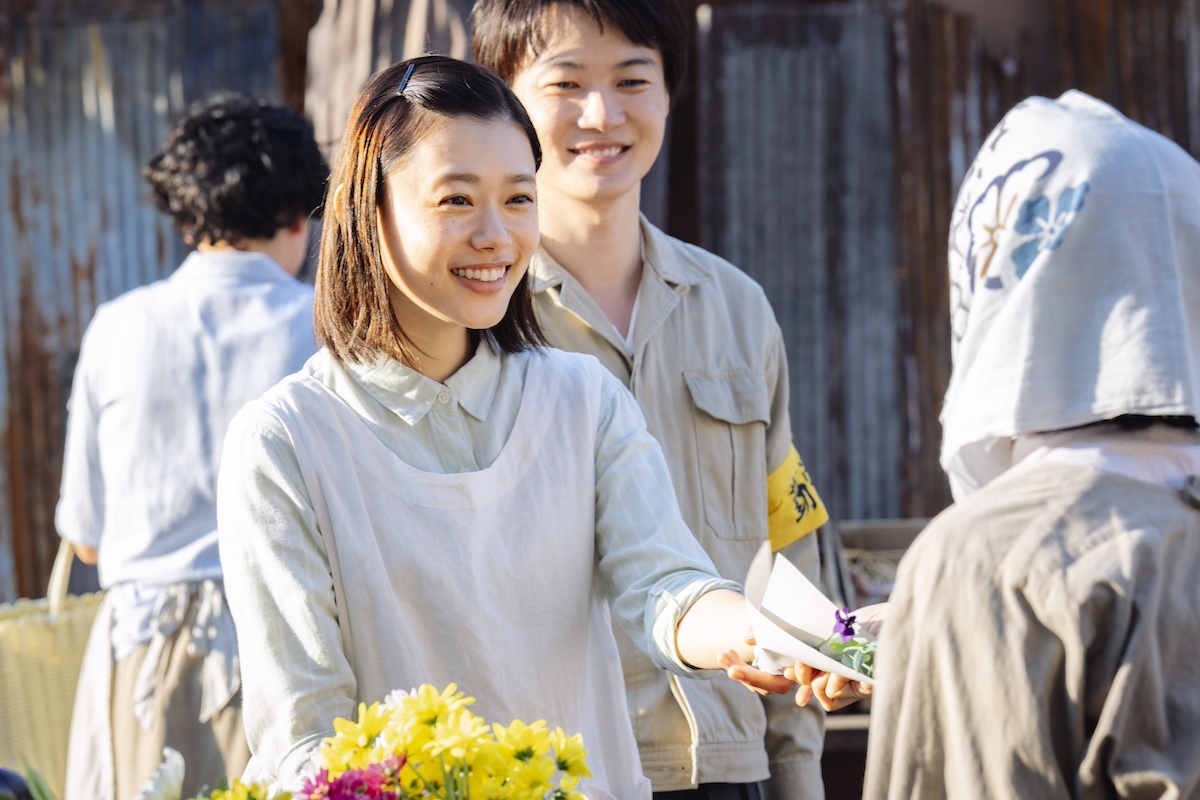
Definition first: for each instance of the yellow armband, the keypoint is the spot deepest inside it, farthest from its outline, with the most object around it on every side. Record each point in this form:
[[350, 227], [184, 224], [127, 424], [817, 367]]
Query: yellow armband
[[794, 508]]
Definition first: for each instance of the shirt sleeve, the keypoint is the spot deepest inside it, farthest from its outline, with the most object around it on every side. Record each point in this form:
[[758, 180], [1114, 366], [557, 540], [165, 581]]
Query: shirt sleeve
[[279, 586], [652, 564], [794, 509], [79, 516]]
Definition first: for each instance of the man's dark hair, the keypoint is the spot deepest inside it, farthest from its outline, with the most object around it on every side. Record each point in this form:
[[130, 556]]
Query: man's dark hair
[[236, 167], [505, 34]]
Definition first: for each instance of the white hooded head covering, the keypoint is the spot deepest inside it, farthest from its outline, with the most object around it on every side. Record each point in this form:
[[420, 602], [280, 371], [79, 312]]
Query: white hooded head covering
[[1074, 282]]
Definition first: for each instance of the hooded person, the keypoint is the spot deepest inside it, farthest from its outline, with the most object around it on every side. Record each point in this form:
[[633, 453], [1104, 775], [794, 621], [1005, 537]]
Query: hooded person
[[1041, 640]]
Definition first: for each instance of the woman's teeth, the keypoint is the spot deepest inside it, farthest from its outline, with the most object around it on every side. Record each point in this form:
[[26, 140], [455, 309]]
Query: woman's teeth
[[487, 275]]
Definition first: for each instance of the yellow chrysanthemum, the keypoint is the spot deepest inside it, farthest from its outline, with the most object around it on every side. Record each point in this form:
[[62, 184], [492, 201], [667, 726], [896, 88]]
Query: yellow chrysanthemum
[[458, 735], [355, 744], [522, 741], [243, 791], [570, 756], [415, 715], [489, 778], [419, 775], [427, 705], [532, 779]]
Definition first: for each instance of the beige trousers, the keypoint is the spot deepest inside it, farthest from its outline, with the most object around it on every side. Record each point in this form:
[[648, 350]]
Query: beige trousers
[[211, 751]]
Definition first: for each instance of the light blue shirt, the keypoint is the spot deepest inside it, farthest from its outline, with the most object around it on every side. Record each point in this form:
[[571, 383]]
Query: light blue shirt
[[161, 372]]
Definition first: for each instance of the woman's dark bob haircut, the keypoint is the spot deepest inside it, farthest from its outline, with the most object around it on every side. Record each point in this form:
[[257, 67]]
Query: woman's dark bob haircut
[[507, 34], [353, 312]]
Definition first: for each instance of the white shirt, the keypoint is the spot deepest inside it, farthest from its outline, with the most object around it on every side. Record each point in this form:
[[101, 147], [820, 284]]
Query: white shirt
[[355, 546], [162, 370]]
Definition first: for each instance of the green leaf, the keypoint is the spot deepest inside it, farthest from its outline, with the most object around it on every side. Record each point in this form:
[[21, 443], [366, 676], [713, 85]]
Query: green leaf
[[38, 787]]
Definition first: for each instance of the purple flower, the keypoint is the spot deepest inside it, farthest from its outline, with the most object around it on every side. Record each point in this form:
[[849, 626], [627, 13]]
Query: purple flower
[[844, 626]]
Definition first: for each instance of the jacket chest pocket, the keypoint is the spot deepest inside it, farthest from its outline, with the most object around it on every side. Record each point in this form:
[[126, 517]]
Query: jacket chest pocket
[[732, 413]]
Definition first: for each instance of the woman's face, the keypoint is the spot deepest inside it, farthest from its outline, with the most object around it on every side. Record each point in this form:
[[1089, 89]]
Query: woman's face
[[458, 225]]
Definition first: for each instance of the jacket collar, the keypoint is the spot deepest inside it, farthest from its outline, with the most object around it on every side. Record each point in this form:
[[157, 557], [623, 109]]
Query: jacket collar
[[673, 265], [235, 265]]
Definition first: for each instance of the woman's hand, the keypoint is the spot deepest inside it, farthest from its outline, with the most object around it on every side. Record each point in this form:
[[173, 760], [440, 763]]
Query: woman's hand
[[872, 617], [832, 691], [753, 679]]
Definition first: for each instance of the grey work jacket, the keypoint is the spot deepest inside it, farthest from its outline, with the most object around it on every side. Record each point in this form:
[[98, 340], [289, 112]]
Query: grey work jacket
[[710, 375]]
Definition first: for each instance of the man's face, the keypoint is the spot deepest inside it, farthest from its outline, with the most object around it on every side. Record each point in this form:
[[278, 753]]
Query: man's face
[[599, 103]]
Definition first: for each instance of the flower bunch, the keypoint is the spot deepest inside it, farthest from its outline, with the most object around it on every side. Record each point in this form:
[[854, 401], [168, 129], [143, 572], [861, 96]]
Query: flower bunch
[[849, 646], [243, 791], [428, 744]]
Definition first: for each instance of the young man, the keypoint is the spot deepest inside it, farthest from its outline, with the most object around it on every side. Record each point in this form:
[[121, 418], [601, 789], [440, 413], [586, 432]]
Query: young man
[[161, 372], [693, 338]]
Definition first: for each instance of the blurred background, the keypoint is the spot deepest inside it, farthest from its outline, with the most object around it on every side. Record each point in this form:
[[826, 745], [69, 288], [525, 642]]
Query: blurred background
[[817, 145]]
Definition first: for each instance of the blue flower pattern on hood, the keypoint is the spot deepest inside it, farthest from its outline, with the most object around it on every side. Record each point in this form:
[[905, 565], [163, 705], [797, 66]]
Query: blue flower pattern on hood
[[1034, 219], [991, 219]]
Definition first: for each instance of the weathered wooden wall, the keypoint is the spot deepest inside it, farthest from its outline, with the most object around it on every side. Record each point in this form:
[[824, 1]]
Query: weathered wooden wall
[[829, 141], [796, 188], [1143, 56], [833, 135], [87, 92]]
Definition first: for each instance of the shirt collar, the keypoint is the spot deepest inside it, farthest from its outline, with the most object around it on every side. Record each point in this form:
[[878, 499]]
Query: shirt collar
[[230, 264], [410, 395], [672, 265]]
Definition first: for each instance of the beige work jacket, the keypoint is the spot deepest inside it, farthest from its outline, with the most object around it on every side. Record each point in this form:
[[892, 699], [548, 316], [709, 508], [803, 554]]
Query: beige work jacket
[[710, 375]]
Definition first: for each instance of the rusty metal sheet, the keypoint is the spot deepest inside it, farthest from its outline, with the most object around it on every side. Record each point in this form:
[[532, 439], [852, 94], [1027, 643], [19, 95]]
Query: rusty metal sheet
[[87, 93]]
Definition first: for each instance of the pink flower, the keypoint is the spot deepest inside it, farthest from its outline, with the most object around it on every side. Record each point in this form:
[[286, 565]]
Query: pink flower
[[375, 782]]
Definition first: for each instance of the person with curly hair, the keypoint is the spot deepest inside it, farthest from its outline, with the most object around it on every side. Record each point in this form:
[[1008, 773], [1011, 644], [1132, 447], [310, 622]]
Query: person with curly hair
[[161, 372]]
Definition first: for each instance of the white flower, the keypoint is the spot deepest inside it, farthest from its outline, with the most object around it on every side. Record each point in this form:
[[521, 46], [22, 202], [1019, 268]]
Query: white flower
[[396, 695], [310, 769], [167, 781]]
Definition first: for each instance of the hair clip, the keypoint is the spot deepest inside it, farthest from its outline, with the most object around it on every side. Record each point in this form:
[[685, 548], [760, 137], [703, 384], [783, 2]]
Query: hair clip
[[404, 81]]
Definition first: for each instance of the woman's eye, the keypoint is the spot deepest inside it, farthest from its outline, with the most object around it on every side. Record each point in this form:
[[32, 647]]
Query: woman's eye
[[563, 85], [635, 82], [522, 199], [456, 200]]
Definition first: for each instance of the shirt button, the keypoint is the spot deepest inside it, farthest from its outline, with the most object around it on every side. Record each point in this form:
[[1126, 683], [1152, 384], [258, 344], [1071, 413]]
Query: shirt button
[[443, 397]]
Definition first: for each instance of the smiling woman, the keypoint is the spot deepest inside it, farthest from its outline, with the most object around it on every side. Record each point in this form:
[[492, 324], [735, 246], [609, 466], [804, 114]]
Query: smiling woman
[[454, 502], [457, 225], [444, 167]]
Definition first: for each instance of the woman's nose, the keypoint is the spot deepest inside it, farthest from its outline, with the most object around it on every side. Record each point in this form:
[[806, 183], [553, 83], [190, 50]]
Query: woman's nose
[[491, 232]]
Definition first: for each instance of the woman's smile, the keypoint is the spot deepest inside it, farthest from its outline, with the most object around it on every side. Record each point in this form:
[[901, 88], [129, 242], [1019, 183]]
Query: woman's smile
[[483, 278]]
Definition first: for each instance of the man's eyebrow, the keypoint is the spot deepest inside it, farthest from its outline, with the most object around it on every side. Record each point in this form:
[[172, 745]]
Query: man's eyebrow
[[636, 61]]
